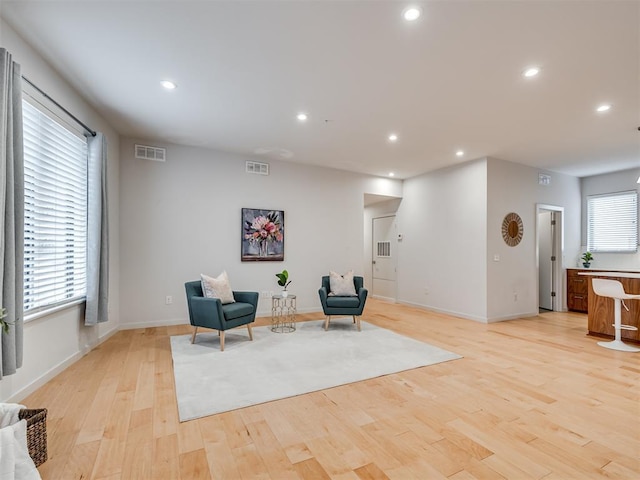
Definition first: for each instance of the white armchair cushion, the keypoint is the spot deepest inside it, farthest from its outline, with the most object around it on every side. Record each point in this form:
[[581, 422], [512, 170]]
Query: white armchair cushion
[[218, 287], [342, 285]]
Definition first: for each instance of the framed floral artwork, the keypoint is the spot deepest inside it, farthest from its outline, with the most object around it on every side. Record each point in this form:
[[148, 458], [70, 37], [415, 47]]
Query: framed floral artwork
[[262, 235]]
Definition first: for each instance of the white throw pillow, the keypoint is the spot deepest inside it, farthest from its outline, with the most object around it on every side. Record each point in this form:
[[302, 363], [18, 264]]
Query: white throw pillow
[[342, 285], [218, 287]]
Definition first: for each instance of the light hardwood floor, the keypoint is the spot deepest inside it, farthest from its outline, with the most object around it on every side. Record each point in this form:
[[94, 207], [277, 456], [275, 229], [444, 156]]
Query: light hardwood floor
[[532, 398]]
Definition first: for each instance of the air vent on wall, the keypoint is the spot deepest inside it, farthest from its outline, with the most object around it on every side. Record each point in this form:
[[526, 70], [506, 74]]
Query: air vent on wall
[[257, 168], [384, 249], [146, 152], [544, 179]]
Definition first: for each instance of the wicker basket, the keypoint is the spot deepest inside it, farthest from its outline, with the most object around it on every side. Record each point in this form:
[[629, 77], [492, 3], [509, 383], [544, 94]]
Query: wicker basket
[[36, 433]]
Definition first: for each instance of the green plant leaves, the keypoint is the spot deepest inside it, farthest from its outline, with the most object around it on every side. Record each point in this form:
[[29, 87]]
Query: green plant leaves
[[282, 278]]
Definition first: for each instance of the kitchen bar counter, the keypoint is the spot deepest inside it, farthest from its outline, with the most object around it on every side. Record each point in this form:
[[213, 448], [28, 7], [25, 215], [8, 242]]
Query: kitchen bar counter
[[618, 274], [600, 309]]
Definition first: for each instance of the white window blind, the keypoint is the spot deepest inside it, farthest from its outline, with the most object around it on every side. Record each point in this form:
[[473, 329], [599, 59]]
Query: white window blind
[[55, 225], [612, 222]]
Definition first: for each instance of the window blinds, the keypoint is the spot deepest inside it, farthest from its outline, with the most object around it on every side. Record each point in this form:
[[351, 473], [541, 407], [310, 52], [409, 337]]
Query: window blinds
[[612, 222], [55, 170]]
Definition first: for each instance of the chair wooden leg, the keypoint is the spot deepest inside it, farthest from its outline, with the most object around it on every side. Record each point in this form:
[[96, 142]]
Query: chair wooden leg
[[193, 337], [250, 332], [222, 340], [326, 323], [354, 318], [358, 322]]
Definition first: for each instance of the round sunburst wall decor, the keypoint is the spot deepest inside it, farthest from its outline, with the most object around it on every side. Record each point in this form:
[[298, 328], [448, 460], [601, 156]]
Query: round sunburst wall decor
[[512, 229]]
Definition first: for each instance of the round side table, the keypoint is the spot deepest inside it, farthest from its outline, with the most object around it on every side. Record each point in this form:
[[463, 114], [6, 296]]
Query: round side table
[[283, 313]]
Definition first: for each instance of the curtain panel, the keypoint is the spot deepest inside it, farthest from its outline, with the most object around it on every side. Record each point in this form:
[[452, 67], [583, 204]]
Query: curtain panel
[[97, 309], [11, 213]]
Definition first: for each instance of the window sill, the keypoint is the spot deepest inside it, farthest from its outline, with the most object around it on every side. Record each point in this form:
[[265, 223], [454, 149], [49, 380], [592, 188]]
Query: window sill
[[51, 310]]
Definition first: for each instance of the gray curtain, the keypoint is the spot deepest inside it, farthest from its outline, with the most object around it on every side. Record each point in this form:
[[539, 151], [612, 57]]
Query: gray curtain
[[97, 234], [11, 212]]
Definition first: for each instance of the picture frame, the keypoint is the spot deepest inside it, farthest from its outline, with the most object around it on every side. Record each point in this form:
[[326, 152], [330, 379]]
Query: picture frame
[[262, 236]]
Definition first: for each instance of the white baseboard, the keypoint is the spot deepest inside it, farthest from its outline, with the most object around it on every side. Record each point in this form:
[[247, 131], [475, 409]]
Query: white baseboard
[[185, 321], [386, 299], [27, 390], [445, 311], [159, 323], [504, 318]]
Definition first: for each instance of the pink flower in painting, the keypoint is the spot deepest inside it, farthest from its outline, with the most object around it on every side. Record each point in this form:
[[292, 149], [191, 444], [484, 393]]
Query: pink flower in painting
[[264, 229]]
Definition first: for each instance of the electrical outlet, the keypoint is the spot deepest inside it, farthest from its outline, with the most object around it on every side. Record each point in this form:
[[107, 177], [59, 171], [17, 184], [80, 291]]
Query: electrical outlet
[[515, 296], [426, 290], [168, 300]]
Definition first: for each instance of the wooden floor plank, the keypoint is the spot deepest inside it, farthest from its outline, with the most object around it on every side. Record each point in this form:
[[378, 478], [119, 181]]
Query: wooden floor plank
[[166, 461], [531, 398], [193, 465], [370, 471]]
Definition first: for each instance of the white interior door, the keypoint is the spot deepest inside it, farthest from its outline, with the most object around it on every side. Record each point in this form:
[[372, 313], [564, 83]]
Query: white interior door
[[546, 258], [384, 257]]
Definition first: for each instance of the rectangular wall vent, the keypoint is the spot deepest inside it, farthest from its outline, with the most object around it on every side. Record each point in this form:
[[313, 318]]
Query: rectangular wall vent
[[257, 167], [146, 152], [384, 249], [544, 179]]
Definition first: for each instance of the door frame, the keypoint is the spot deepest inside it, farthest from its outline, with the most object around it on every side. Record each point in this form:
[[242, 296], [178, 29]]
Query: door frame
[[559, 303]]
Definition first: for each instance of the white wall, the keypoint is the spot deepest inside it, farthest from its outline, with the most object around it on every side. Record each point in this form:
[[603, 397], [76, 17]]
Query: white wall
[[442, 257], [181, 218], [52, 342], [608, 183], [512, 187], [452, 225]]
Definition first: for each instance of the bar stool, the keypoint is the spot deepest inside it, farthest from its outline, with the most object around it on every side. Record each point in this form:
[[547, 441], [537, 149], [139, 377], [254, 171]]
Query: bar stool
[[614, 289]]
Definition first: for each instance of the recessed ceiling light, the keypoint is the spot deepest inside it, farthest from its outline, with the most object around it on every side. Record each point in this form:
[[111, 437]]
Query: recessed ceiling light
[[411, 13], [302, 117], [459, 153], [531, 72], [393, 137], [169, 85], [603, 108], [391, 174]]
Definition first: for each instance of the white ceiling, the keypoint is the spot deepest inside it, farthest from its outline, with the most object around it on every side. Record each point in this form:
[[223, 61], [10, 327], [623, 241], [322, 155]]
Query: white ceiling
[[452, 80]]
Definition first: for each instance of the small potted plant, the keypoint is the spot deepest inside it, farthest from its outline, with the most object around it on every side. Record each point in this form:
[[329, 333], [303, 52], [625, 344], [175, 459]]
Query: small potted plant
[[4, 325], [586, 259], [283, 281]]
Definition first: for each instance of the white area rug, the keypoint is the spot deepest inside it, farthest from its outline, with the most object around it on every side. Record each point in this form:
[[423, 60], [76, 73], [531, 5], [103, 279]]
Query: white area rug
[[280, 365]]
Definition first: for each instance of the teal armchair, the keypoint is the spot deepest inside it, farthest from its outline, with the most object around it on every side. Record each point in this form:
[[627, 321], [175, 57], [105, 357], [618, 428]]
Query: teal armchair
[[338, 305], [211, 313]]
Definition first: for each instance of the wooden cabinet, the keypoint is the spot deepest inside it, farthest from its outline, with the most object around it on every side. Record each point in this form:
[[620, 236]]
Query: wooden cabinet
[[577, 291]]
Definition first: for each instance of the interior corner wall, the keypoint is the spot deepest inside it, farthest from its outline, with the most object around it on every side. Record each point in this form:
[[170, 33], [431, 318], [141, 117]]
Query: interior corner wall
[[181, 218], [442, 256], [609, 183], [512, 282], [54, 341]]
